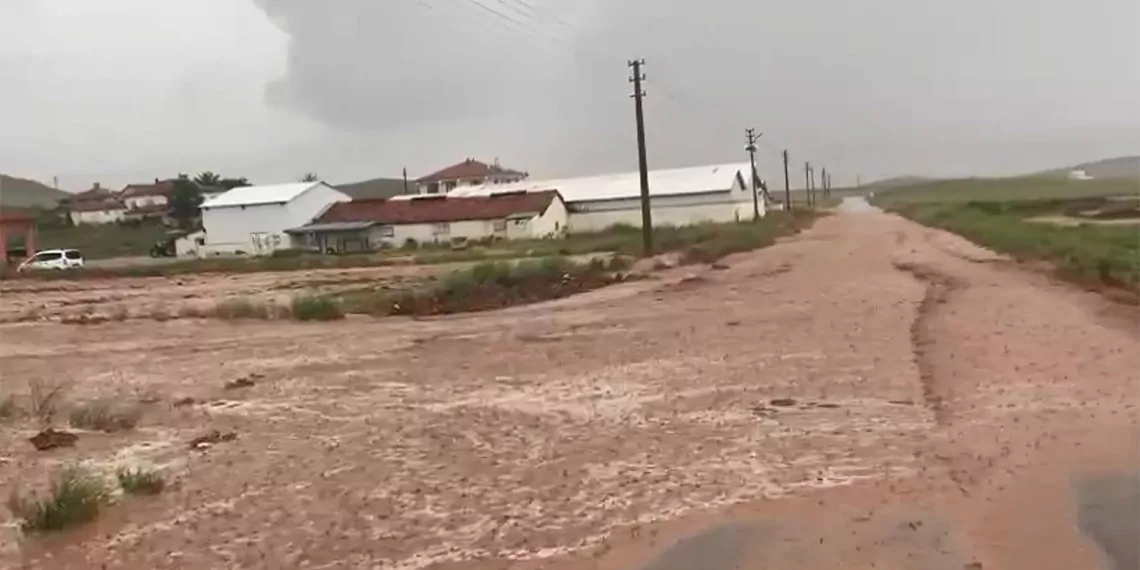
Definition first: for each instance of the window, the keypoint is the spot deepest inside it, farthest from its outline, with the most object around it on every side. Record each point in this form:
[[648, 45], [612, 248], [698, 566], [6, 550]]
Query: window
[[440, 229], [72, 254], [386, 231], [521, 221], [52, 256], [499, 226], [449, 185]]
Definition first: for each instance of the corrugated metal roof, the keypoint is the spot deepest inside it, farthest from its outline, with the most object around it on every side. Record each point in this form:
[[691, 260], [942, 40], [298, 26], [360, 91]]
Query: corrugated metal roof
[[439, 208], [671, 182], [331, 227], [254, 195]]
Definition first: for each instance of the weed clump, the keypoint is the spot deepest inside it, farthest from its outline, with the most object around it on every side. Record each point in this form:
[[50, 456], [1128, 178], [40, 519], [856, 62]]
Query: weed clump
[[316, 308], [139, 481], [106, 415], [75, 497]]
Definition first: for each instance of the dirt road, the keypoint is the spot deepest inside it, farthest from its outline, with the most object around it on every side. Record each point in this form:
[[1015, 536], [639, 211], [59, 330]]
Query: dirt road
[[870, 391]]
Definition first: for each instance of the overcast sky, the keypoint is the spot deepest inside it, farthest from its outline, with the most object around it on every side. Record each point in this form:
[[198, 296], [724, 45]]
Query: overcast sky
[[125, 90]]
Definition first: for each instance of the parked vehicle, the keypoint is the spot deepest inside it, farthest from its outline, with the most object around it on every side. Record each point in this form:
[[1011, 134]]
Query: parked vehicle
[[57, 259]]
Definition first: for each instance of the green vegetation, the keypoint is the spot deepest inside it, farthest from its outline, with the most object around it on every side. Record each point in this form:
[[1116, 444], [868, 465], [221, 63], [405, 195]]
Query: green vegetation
[[1087, 252], [237, 308], [1004, 189], [316, 308], [106, 415], [623, 240], [139, 481], [103, 240], [75, 497]]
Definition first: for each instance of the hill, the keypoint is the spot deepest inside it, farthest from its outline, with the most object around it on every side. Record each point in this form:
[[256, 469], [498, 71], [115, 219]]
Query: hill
[[1119, 167], [897, 182], [24, 193], [375, 188]]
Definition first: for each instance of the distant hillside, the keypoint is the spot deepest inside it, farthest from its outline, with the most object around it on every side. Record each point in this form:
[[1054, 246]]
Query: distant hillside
[[1119, 167], [375, 188], [898, 181], [24, 193]]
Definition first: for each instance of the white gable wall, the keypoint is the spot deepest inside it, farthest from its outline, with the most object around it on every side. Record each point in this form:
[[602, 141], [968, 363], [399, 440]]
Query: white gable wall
[[259, 229]]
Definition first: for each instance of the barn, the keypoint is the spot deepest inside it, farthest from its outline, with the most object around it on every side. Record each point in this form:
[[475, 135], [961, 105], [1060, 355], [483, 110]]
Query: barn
[[679, 196], [252, 220]]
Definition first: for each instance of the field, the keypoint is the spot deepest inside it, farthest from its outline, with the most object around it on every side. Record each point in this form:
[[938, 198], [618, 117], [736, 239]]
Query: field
[[1087, 230]]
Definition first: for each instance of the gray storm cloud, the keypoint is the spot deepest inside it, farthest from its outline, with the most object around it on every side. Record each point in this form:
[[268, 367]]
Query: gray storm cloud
[[860, 85]]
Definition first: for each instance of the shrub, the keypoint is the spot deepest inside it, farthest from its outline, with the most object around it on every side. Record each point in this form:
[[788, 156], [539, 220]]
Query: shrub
[[242, 308], [287, 253], [411, 243], [106, 415], [45, 398], [316, 308], [75, 497], [9, 408], [139, 481]]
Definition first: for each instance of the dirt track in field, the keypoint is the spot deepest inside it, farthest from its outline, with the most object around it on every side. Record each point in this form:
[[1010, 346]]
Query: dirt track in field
[[869, 391]]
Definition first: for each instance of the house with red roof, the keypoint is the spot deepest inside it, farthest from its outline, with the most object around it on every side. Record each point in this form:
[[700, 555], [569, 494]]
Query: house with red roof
[[364, 225], [97, 205], [470, 172]]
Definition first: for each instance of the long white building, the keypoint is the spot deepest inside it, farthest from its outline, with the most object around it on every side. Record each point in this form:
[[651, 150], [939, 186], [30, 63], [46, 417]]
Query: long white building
[[679, 196]]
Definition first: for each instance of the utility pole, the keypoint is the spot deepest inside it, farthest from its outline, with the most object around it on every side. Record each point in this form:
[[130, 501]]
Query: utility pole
[[811, 183], [823, 181], [642, 163], [807, 182], [751, 148], [787, 185], [405, 181]]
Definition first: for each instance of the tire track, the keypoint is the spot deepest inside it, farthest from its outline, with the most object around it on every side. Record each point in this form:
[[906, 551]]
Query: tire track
[[938, 290]]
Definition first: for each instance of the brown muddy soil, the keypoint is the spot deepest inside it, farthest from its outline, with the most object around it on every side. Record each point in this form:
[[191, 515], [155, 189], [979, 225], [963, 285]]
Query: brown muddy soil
[[868, 394]]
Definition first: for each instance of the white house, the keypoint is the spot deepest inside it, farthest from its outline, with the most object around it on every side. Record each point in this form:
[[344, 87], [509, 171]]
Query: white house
[[470, 172], [105, 211], [252, 220], [363, 225], [679, 196]]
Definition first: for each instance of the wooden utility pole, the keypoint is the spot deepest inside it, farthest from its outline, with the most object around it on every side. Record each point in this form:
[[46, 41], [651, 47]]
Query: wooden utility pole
[[751, 148], [787, 185], [646, 216], [807, 182], [823, 182], [405, 181], [811, 184]]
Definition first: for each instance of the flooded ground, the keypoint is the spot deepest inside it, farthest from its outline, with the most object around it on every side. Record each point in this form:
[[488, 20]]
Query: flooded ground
[[869, 391]]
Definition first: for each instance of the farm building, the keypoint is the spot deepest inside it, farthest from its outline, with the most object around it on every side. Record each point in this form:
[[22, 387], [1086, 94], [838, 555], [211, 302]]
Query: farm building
[[253, 219], [678, 197], [364, 225], [470, 172]]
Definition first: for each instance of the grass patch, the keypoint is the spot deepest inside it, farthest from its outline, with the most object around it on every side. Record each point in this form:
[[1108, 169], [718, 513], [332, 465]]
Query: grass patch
[[316, 308], [75, 497], [1108, 255], [1004, 189], [106, 415], [239, 308], [139, 481]]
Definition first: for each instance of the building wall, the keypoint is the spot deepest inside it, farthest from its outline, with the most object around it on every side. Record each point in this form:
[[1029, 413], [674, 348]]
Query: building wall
[[553, 222], [260, 229], [144, 201], [679, 210], [96, 216]]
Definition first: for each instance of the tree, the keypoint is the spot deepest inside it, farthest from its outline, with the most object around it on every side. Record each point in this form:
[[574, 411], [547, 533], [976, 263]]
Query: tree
[[231, 183], [310, 177], [185, 202], [208, 178]]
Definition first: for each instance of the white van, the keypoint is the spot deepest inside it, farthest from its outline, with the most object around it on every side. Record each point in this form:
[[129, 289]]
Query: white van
[[58, 259]]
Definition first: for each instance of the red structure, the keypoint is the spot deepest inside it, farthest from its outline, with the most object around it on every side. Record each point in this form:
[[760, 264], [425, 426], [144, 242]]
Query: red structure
[[13, 224]]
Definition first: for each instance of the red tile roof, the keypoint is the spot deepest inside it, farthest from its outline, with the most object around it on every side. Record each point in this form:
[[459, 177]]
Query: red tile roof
[[439, 209], [158, 188], [468, 169]]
